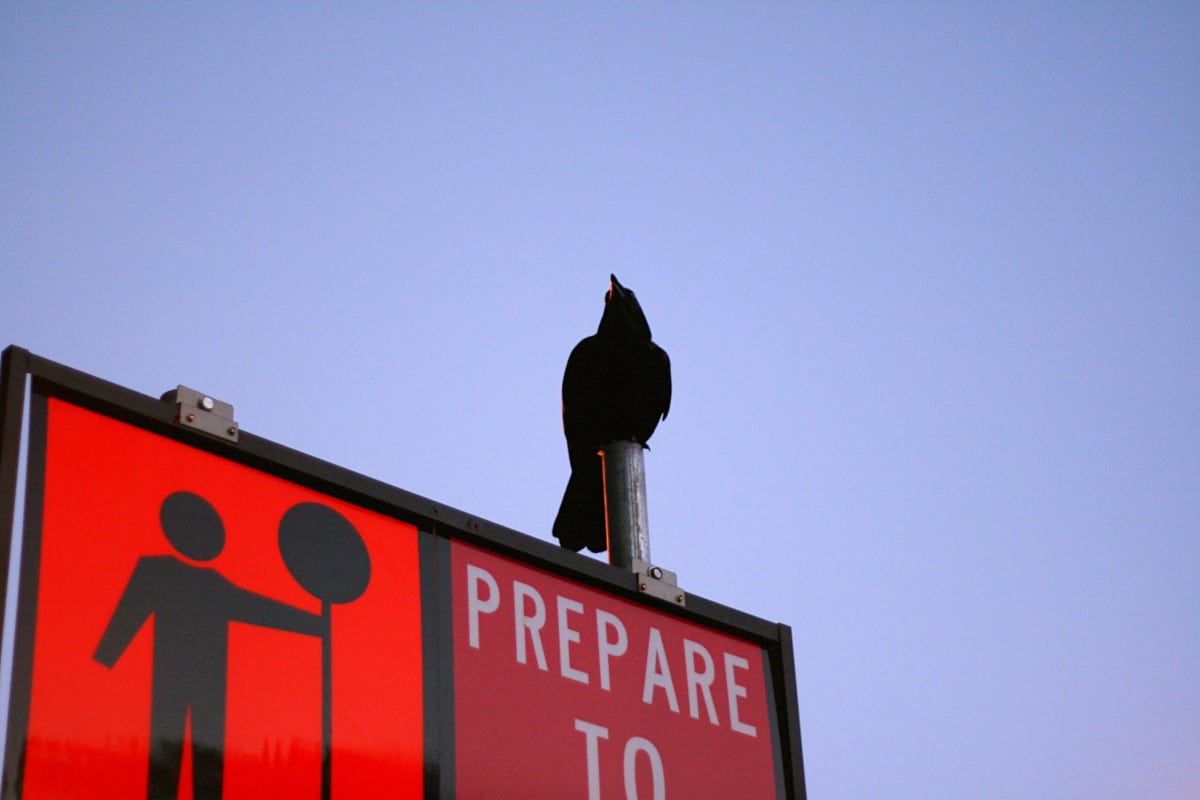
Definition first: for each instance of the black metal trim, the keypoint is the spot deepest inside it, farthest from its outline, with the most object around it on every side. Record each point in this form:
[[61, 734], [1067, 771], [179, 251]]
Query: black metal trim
[[437, 654], [27, 591], [444, 632], [785, 662], [13, 371], [773, 723], [156, 416]]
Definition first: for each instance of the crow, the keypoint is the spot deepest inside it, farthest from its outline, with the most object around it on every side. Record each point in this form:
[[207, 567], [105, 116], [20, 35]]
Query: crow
[[616, 387]]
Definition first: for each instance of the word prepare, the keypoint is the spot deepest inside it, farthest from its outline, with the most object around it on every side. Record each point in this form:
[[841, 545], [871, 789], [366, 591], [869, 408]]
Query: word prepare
[[609, 643]]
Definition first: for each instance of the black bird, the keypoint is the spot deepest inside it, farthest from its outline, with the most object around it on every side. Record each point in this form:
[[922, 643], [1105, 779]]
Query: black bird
[[616, 387]]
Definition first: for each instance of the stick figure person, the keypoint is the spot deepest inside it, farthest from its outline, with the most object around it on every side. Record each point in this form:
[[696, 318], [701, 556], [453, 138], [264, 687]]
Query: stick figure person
[[192, 608]]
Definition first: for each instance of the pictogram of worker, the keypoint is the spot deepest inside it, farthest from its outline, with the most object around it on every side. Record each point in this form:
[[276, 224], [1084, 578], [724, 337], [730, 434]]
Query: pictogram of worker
[[192, 606]]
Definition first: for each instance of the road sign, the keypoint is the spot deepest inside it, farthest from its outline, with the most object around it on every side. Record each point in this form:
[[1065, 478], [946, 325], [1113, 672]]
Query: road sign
[[611, 699], [137, 630], [209, 616]]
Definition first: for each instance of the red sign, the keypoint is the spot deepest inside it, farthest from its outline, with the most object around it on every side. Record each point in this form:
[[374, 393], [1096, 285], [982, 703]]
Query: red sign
[[565, 691], [184, 596]]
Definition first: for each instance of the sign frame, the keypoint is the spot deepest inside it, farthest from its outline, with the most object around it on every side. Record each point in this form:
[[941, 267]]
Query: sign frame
[[438, 526]]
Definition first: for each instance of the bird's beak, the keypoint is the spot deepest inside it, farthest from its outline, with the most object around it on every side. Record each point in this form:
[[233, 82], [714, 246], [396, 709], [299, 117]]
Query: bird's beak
[[614, 287]]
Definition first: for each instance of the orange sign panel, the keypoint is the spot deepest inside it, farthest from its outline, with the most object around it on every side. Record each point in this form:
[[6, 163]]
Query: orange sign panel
[[201, 629]]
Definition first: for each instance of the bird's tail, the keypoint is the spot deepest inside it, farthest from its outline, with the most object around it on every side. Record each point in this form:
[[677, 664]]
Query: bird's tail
[[580, 521]]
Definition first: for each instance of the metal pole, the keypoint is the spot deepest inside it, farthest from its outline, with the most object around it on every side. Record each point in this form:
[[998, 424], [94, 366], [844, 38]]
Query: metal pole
[[625, 503], [327, 701]]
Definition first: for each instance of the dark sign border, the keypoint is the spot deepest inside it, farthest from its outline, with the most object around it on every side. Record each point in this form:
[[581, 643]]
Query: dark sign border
[[437, 525]]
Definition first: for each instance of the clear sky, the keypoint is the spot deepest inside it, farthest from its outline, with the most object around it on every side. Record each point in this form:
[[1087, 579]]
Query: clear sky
[[928, 273]]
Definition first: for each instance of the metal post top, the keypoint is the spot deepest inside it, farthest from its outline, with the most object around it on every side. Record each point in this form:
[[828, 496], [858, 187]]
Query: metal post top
[[625, 503]]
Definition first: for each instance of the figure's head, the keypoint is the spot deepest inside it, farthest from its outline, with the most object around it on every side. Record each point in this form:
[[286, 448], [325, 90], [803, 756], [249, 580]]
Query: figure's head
[[193, 526]]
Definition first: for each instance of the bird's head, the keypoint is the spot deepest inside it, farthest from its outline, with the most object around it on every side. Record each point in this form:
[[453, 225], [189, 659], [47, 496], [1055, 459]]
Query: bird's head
[[623, 314]]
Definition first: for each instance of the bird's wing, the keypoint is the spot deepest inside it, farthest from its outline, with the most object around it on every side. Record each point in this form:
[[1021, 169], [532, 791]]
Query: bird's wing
[[661, 380], [580, 393]]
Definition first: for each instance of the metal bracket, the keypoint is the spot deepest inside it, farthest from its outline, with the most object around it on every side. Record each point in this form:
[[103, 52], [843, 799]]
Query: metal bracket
[[204, 413], [658, 582]]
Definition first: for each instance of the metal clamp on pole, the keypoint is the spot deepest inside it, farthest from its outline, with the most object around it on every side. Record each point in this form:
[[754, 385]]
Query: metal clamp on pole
[[658, 582], [198, 410]]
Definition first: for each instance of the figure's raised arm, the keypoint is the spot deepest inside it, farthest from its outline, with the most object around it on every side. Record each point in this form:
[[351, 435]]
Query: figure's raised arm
[[255, 609]]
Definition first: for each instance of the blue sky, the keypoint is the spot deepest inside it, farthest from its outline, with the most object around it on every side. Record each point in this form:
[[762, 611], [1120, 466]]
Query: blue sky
[[927, 273]]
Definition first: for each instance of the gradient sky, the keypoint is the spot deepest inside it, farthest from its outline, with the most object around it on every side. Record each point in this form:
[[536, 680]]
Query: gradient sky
[[928, 273]]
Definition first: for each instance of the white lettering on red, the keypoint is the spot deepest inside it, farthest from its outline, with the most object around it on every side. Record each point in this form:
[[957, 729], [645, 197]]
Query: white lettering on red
[[639, 745], [592, 733], [529, 623], [736, 691], [699, 682], [658, 673], [566, 637], [476, 604], [607, 647]]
